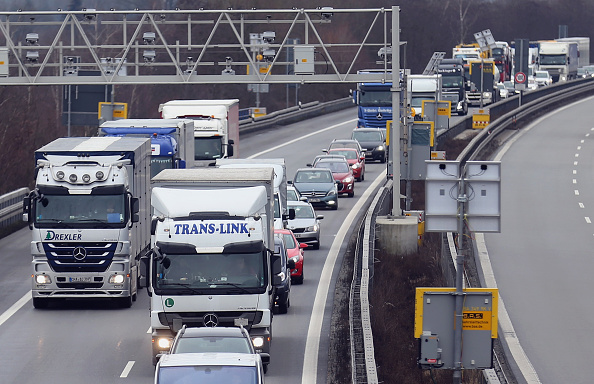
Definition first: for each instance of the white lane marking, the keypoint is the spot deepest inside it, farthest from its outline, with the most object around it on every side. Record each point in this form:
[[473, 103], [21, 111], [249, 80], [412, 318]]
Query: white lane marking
[[574, 181], [312, 343], [127, 369], [582, 141], [575, 163], [15, 307], [577, 155], [588, 220], [301, 138], [581, 205], [577, 193], [579, 147], [575, 171]]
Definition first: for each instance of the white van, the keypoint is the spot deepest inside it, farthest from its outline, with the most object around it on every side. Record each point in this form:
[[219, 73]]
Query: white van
[[229, 368]]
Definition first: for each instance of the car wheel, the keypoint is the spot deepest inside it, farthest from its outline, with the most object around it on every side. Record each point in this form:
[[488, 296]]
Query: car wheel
[[299, 280], [335, 206], [40, 303], [383, 160], [352, 194], [316, 245], [362, 176], [265, 368]]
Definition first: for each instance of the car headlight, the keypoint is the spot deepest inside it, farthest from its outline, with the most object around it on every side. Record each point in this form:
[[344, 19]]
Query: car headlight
[[258, 341], [116, 279], [43, 279], [331, 192], [355, 166], [164, 343], [348, 180], [295, 258], [313, 228], [380, 148], [486, 94]]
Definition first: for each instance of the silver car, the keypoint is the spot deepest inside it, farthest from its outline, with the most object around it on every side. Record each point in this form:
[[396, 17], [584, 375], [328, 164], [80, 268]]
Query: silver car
[[306, 224]]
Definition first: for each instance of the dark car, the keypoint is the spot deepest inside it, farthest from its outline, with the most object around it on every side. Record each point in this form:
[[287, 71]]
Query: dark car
[[342, 173], [355, 160], [318, 185], [373, 141], [282, 284]]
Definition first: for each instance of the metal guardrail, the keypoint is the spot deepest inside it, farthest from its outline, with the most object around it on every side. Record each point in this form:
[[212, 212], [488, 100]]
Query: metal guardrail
[[363, 367], [11, 207]]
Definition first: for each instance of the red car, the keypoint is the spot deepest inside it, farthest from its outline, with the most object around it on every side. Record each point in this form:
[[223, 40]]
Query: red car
[[295, 252], [355, 160]]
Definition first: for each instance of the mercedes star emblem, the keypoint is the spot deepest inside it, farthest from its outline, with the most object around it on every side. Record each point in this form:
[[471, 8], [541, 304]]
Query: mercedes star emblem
[[79, 253], [210, 320], [379, 116]]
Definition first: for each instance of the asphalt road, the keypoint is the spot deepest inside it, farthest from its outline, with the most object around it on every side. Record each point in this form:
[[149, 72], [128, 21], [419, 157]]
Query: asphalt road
[[542, 259], [95, 341]]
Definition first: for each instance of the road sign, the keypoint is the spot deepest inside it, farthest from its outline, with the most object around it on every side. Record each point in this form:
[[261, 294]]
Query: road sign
[[520, 77]]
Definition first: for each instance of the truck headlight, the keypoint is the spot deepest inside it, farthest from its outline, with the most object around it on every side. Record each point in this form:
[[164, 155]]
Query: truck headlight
[[486, 94], [258, 341], [43, 279], [164, 343], [116, 279]]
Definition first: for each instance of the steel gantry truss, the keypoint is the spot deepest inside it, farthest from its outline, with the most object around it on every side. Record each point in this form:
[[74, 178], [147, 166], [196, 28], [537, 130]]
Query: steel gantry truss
[[191, 46]]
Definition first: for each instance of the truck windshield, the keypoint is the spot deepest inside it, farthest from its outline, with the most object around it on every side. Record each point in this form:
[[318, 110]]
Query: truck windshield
[[67, 211], [159, 163], [452, 81], [552, 59], [417, 101], [375, 98], [212, 270], [208, 148], [208, 374]]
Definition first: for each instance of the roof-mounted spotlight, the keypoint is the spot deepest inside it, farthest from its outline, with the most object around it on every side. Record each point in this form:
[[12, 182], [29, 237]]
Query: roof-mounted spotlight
[[228, 70], [327, 13], [149, 56], [149, 37], [32, 38], [269, 54]]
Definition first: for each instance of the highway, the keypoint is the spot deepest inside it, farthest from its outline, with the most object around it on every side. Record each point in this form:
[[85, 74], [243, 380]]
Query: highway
[[542, 259], [95, 341]]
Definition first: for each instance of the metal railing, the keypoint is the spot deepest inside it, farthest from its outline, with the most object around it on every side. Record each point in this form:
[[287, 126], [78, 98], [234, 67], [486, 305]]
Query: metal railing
[[11, 207]]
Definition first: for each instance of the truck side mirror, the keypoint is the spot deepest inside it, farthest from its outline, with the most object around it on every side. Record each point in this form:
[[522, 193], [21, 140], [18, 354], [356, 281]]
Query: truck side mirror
[[181, 164], [291, 213], [230, 148], [135, 209], [27, 211]]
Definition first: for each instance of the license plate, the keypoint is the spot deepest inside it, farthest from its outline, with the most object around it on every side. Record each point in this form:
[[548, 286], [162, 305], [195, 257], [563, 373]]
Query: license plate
[[84, 279], [368, 153], [313, 200]]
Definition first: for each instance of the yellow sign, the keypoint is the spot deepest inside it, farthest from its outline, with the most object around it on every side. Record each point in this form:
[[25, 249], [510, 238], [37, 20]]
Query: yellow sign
[[479, 318], [480, 120], [388, 128]]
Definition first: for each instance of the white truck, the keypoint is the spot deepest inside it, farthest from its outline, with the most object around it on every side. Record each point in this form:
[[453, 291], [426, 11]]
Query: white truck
[[583, 44], [212, 259], [172, 140], [216, 126], [559, 58], [90, 218], [281, 213], [423, 87]]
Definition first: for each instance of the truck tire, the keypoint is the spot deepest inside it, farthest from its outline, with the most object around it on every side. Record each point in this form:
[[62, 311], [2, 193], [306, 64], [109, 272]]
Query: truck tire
[[39, 303]]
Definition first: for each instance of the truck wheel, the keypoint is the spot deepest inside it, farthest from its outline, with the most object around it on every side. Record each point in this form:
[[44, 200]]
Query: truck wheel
[[40, 303], [125, 302]]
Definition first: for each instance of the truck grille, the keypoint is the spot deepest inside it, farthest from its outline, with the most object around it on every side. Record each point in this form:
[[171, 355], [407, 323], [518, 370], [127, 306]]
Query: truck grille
[[371, 120], [79, 257], [221, 319]]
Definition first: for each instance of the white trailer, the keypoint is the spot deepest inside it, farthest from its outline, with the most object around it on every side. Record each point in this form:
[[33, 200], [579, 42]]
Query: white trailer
[[559, 58]]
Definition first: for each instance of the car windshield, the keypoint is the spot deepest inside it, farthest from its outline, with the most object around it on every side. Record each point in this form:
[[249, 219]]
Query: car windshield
[[367, 135], [208, 374], [348, 154], [289, 240], [292, 195], [313, 177], [542, 75], [212, 344], [303, 212], [334, 166], [349, 144]]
